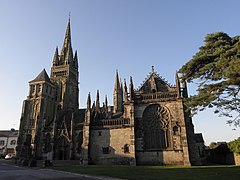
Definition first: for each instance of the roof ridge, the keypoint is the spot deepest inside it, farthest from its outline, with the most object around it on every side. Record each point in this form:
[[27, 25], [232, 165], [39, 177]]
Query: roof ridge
[[156, 75]]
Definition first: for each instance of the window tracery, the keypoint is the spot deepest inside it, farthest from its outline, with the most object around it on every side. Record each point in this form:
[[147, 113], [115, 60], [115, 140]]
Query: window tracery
[[156, 120]]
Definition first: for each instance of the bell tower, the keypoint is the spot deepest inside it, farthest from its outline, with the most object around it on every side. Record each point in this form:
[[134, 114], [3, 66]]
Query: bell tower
[[64, 73]]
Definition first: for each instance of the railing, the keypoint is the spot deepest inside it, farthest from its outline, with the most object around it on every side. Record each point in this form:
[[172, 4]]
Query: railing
[[157, 96], [111, 122]]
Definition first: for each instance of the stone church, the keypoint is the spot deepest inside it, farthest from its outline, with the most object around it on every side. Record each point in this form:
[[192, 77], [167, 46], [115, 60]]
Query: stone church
[[145, 126]]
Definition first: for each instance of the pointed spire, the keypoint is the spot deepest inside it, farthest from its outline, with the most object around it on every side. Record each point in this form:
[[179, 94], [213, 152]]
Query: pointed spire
[[97, 101], [89, 101], [117, 95], [66, 53], [75, 60], [125, 91], [131, 91], [67, 39], [117, 84], [56, 58], [178, 85]]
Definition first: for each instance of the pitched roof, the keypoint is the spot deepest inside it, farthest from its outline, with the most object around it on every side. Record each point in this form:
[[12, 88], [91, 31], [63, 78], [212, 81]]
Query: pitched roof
[[153, 79], [43, 76], [11, 133]]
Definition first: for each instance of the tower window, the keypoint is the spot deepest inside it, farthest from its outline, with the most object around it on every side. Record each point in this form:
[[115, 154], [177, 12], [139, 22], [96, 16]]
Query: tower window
[[32, 88], [38, 88], [99, 133]]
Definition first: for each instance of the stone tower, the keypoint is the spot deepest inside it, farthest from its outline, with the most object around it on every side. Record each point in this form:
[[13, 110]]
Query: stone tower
[[49, 112], [38, 111], [64, 73]]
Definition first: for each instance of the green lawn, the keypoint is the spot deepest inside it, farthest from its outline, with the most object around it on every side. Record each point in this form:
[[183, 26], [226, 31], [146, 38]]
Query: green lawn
[[158, 172]]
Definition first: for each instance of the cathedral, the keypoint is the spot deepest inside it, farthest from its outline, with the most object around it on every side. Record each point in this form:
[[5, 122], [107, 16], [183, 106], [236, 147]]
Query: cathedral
[[145, 126]]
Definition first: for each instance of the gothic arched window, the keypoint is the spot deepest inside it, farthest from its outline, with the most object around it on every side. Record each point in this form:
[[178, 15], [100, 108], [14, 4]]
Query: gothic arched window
[[156, 127]]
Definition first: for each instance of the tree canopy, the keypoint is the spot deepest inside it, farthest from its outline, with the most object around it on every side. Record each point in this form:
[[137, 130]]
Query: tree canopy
[[216, 70], [234, 146]]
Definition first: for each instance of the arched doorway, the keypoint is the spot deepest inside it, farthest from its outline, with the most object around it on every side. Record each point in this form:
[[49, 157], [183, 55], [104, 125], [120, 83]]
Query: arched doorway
[[63, 148]]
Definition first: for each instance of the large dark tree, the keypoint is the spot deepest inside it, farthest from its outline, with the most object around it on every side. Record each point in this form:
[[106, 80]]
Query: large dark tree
[[216, 70]]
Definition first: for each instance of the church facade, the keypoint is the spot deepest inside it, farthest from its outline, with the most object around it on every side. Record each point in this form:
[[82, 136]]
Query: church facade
[[147, 126]]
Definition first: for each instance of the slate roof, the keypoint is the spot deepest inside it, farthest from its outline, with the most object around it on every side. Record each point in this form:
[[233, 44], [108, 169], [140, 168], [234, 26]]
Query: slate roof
[[43, 76], [11, 133]]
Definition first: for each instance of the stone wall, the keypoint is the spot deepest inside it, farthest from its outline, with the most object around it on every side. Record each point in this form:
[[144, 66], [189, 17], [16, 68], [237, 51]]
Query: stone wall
[[237, 159], [112, 146], [177, 152], [161, 158]]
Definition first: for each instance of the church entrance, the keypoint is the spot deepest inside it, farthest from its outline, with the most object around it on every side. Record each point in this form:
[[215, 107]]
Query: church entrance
[[63, 149]]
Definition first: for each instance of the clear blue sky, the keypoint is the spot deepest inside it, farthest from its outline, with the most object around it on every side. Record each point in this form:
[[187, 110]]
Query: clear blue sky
[[128, 35]]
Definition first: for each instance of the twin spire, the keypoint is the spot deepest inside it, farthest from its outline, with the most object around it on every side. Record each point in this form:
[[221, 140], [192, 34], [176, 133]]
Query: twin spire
[[66, 56]]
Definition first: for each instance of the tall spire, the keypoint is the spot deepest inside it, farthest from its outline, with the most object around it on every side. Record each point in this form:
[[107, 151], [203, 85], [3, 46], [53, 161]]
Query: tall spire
[[117, 95], [117, 84], [67, 39], [66, 53]]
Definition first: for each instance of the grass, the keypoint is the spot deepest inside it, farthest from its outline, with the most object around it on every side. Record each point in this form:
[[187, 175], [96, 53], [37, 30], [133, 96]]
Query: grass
[[158, 172]]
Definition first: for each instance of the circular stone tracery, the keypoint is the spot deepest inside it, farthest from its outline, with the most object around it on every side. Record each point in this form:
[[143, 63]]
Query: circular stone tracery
[[156, 120], [156, 116]]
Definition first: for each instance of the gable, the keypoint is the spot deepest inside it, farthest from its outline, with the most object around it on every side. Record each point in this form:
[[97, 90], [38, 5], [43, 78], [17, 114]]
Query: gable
[[154, 83]]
